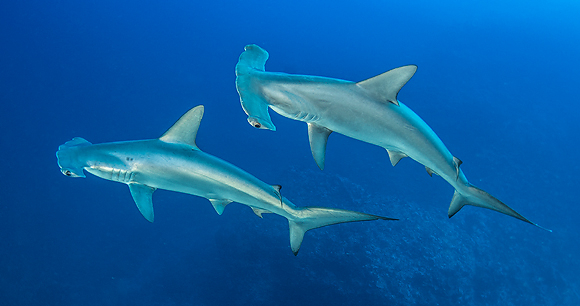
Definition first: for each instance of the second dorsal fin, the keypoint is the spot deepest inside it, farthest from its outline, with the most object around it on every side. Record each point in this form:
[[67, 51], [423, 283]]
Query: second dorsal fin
[[457, 163]]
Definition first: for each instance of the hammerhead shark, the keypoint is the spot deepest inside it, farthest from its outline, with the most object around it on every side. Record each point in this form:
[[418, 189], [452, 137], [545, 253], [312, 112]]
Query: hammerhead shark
[[174, 162], [368, 111]]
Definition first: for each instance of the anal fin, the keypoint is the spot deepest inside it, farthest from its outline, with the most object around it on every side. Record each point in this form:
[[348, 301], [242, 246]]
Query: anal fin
[[318, 136], [259, 211], [430, 171]]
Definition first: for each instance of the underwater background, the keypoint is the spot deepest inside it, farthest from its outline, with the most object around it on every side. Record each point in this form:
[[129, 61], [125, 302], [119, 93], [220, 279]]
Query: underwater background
[[497, 81]]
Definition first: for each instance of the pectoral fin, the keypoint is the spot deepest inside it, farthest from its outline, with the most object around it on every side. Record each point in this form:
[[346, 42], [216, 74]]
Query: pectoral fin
[[219, 205], [318, 136], [143, 197]]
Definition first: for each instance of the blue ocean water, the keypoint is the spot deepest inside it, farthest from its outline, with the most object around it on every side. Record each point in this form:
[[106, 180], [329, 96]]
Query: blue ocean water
[[497, 81]]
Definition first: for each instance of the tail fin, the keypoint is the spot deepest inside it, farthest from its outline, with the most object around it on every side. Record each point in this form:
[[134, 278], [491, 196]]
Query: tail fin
[[477, 197], [308, 218]]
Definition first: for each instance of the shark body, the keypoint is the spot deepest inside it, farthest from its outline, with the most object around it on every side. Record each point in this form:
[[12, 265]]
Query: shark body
[[174, 162], [368, 111]]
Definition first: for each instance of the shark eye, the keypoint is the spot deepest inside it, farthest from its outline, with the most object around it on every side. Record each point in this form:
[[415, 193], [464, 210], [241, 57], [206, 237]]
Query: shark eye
[[257, 125], [67, 173]]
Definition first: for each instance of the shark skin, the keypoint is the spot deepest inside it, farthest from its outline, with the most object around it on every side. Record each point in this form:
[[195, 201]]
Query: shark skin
[[174, 162], [368, 111]]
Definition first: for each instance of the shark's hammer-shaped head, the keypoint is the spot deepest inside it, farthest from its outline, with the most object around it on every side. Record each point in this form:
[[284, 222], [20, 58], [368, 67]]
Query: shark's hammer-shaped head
[[248, 69], [68, 157]]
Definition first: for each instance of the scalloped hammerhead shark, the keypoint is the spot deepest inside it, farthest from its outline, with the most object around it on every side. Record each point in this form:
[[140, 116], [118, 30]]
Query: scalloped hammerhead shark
[[174, 162], [368, 111]]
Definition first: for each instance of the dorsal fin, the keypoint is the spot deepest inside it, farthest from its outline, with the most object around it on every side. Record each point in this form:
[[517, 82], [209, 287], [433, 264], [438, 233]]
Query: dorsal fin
[[277, 189], [386, 86], [185, 129]]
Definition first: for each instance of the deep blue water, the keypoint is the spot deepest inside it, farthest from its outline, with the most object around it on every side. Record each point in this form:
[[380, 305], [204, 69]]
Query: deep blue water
[[497, 82]]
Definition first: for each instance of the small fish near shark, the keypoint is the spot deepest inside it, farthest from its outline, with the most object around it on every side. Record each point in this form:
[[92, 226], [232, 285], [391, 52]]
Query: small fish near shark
[[368, 111], [174, 162]]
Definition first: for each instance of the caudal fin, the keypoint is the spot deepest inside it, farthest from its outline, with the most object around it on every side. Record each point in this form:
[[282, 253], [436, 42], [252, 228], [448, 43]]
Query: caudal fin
[[477, 197], [308, 218]]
